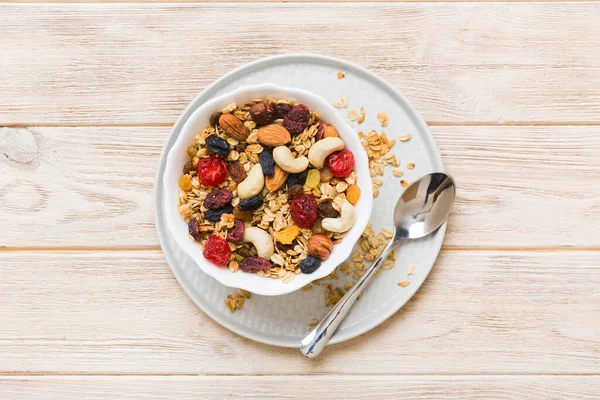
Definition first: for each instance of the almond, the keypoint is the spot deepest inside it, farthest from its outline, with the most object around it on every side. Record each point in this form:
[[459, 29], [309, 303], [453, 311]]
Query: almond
[[277, 180], [274, 135], [233, 126]]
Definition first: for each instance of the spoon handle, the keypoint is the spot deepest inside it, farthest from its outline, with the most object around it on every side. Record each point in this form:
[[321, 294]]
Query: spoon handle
[[312, 345]]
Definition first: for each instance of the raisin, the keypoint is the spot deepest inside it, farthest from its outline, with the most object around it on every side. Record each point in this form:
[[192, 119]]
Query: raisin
[[212, 171], [262, 113], [192, 151], [246, 250], [214, 118], [241, 147], [340, 163], [317, 227], [236, 233], [218, 198], [313, 178], [326, 210], [251, 203], [217, 251], [304, 210], [242, 215], [326, 174], [188, 167], [185, 183], [296, 120], [255, 264], [215, 215], [194, 229], [267, 162], [309, 265], [296, 190], [218, 146], [281, 110], [297, 179], [236, 171], [286, 247]]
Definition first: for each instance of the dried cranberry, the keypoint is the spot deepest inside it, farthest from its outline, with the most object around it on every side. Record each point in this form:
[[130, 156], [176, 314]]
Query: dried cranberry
[[217, 199], [194, 229], [296, 120], [341, 163], [255, 264], [281, 110], [309, 265], [304, 210], [217, 251], [215, 215], [212, 171], [236, 233]]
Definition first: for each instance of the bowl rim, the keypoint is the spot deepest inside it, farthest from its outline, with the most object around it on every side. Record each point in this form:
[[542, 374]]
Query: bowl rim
[[266, 286]]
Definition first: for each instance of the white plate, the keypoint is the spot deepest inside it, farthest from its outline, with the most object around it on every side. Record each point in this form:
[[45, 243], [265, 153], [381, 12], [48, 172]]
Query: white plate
[[281, 320]]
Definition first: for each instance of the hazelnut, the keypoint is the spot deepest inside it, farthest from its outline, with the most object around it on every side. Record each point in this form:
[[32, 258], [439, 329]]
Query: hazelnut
[[320, 247], [324, 131], [262, 113]]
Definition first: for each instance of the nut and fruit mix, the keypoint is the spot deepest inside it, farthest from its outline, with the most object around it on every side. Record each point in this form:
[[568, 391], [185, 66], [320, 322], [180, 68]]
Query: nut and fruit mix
[[268, 189]]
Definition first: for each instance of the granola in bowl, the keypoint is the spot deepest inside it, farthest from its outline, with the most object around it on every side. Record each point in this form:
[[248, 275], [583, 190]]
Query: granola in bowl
[[268, 188]]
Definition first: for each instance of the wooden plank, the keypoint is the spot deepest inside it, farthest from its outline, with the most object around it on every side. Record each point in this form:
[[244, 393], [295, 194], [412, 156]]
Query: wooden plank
[[301, 387], [492, 312], [93, 187], [143, 63]]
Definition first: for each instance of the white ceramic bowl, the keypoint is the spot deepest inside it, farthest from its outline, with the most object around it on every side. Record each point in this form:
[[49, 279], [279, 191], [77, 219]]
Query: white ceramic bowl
[[177, 157]]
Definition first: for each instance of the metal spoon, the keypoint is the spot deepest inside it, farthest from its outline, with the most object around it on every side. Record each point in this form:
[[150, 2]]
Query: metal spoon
[[423, 207]]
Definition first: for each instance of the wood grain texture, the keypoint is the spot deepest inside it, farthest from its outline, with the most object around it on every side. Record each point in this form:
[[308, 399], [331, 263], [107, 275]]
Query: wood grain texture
[[301, 387], [479, 312], [93, 187], [142, 64]]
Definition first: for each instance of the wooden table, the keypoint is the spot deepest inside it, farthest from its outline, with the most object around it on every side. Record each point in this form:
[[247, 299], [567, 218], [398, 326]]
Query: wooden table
[[90, 309]]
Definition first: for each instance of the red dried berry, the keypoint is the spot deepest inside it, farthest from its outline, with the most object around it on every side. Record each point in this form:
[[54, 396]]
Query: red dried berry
[[296, 120], [212, 171], [281, 110], [236, 233], [217, 251], [304, 210], [341, 163], [194, 229], [255, 264], [218, 198]]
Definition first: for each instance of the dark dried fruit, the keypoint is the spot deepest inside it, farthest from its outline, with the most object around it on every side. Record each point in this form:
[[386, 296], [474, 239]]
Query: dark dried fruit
[[297, 179], [296, 190], [250, 204], [317, 227], [215, 215], [236, 171], [236, 233], [281, 110], [309, 265], [326, 210], [188, 167], [340, 163], [245, 250], [255, 264], [218, 198], [267, 162], [217, 251], [212, 171], [262, 113], [304, 210], [214, 118], [241, 147], [194, 229], [296, 120], [218, 146], [242, 215], [286, 247]]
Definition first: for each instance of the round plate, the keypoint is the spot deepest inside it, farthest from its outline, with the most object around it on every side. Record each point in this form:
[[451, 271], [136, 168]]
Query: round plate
[[282, 320]]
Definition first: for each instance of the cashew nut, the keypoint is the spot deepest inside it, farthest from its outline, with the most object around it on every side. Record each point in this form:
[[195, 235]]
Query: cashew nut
[[286, 161], [343, 222], [253, 184], [261, 240], [321, 149]]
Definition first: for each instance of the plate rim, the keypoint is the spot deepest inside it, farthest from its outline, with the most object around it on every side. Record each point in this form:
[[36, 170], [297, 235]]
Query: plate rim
[[429, 142]]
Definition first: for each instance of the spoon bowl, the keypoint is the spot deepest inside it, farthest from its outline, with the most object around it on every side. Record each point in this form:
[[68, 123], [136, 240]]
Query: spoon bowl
[[422, 208]]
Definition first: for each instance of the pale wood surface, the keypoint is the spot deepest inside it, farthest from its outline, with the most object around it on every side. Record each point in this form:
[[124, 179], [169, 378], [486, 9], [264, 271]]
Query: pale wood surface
[[351, 387], [457, 62], [90, 309]]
